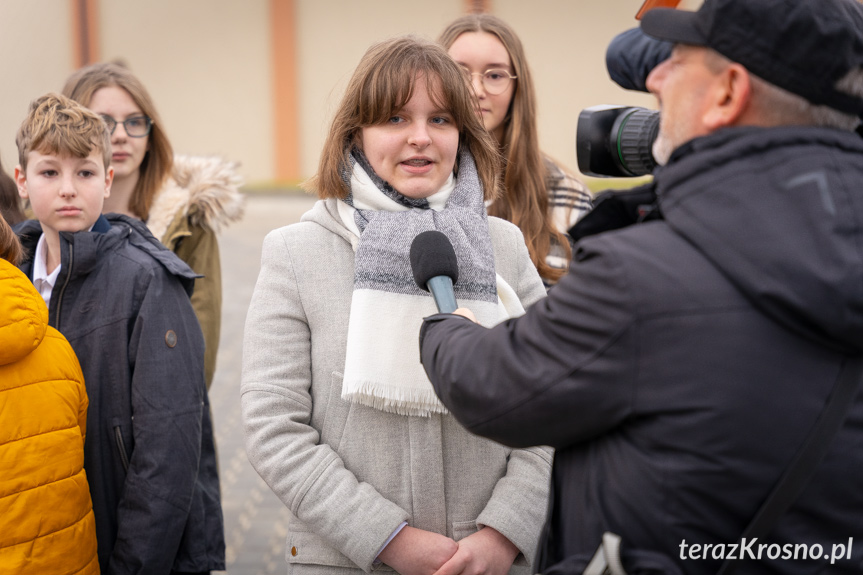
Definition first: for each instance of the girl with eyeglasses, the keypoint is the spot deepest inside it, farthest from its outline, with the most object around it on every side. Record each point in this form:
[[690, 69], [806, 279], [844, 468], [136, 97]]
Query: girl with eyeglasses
[[539, 196], [183, 200]]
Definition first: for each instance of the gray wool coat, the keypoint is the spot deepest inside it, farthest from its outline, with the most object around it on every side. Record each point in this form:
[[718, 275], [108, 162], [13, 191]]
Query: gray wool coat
[[350, 474]]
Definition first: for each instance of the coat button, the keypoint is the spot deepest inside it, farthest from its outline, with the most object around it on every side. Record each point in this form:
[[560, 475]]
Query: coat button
[[293, 551], [171, 338]]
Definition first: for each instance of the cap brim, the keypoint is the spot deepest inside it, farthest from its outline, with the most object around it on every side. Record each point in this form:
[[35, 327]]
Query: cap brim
[[673, 25]]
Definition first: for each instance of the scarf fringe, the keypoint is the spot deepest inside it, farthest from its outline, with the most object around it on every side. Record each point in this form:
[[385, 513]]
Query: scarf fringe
[[415, 402]]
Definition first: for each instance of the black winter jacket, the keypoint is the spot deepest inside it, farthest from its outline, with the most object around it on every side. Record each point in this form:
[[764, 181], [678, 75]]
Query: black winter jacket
[[680, 364], [122, 301]]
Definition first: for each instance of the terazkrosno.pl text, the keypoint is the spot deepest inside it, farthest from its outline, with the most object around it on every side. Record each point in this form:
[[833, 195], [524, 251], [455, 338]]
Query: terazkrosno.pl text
[[751, 549]]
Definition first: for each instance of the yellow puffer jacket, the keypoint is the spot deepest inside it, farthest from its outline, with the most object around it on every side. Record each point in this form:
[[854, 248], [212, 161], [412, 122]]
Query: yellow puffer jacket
[[46, 517]]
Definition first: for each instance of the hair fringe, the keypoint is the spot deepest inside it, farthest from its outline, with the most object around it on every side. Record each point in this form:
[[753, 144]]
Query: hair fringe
[[58, 125], [383, 83]]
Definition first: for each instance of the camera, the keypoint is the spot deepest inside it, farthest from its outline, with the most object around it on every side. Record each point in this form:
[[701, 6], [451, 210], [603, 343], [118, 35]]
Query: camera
[[616, 141]]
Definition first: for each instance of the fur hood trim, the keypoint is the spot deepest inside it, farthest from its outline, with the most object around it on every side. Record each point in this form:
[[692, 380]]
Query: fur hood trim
[[205, 188]]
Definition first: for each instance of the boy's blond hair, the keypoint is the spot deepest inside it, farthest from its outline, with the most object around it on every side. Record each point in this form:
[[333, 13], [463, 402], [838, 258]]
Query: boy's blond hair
[[58, 125]]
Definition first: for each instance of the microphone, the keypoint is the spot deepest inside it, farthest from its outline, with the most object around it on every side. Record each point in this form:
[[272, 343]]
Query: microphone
[[435, 268]]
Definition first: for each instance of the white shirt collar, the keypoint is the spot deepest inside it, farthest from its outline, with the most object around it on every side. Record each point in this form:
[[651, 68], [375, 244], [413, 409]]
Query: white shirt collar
[[42, 280]]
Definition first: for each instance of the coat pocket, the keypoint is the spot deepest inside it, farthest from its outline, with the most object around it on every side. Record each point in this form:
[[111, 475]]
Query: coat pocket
[[120, 445]]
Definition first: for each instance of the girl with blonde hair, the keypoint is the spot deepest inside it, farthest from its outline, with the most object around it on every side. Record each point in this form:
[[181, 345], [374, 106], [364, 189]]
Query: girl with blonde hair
[[340, 419], [539, 196], [183, 200]]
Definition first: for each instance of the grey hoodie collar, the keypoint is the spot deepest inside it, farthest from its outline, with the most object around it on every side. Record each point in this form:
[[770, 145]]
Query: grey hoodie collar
[[325, 213]]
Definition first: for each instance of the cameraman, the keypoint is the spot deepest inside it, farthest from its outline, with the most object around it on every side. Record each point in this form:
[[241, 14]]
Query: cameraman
[[681, 364]]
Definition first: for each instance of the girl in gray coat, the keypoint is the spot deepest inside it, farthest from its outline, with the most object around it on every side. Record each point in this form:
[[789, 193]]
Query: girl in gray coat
[[340, 418]]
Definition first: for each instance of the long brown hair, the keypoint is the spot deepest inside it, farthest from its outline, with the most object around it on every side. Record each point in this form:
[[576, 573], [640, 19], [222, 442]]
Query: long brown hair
[[525, 200], [381, 85], [10, 203], [159, 159]]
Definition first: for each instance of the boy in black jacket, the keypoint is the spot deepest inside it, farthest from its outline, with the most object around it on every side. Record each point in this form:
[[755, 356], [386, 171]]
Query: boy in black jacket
[[122, 301]]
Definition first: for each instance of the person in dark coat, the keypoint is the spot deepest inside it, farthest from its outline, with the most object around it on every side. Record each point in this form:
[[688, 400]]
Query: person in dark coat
[[681, 363], [121, 299]]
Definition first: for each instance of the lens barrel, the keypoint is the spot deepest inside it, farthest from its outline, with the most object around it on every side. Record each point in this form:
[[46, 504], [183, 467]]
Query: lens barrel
[[636, 131], [616, 141]]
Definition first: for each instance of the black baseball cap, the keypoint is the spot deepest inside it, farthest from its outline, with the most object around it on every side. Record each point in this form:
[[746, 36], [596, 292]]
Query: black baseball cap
[[803, 46]]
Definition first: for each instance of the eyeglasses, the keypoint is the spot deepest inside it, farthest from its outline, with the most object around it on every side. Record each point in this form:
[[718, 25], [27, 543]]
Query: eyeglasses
[[495, 81], [136, 126]]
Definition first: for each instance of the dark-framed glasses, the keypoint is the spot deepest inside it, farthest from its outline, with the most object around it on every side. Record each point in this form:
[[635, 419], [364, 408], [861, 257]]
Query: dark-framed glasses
[[136, 126], [494, 80]]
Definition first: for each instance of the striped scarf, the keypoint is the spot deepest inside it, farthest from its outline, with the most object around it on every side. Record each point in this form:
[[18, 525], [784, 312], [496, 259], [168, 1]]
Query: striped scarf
[[382, 367]]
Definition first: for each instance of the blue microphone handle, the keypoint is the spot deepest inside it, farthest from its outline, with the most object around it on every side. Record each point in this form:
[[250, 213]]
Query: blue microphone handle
[[442, 291]]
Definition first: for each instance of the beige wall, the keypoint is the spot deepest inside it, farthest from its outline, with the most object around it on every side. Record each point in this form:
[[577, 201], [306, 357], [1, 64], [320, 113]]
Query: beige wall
[[35, 41], [207, 63], [565, 42], [333, 36]]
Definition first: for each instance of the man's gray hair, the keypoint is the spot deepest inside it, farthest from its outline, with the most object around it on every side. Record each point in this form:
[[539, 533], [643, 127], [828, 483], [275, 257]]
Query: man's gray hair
[[778, 106]]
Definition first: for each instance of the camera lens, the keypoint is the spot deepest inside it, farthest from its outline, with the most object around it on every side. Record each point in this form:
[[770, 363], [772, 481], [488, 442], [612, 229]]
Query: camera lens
[[636, 131]]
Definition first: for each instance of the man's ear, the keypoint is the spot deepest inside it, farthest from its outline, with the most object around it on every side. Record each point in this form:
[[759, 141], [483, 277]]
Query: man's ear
[[21, 180], [731, 96]]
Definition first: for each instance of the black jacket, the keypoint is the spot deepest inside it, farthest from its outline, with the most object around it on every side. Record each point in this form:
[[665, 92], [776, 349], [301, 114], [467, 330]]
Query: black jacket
[[122, 301], [680, 364]]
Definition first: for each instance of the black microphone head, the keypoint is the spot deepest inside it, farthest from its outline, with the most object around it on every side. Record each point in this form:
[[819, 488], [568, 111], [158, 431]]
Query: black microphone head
[[432, 255]]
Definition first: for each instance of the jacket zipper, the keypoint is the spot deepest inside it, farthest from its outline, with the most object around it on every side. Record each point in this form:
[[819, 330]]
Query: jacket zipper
[[63, 288], [121, 446], [124, 458]]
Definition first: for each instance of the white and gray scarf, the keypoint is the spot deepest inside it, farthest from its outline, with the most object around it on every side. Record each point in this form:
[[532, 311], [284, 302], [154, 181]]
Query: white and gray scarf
[[382, 366]]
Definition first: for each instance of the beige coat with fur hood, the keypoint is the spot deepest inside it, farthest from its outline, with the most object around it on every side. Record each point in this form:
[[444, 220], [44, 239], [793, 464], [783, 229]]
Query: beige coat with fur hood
[[201, 197]]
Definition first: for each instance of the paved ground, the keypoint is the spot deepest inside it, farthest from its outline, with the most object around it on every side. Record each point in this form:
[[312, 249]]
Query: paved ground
[[255, 520]]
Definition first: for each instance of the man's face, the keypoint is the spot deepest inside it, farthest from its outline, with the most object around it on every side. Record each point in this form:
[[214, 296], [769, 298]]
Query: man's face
[[66, 193], [681, 85]]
